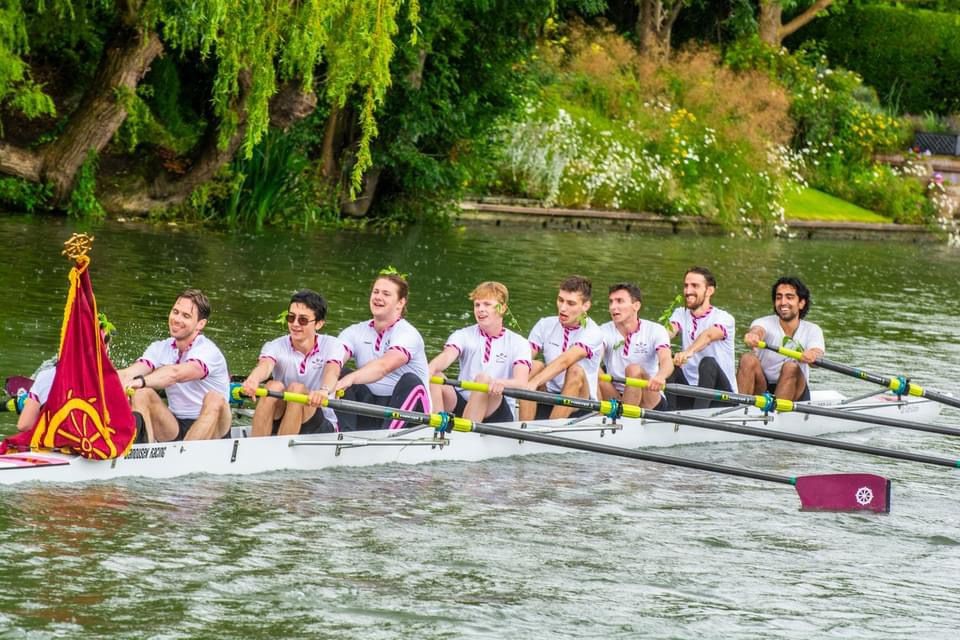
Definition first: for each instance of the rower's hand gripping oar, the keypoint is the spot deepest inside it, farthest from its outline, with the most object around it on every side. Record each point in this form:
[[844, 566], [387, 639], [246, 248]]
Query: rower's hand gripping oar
[[769, 403], [615, 408], [900, 385], [833, 492]]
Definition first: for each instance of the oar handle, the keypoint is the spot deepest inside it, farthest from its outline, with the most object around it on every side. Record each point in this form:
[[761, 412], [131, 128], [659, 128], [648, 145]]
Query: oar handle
[[766, 403], [9, 405], [605, 407], [435, 420], [900, 385]]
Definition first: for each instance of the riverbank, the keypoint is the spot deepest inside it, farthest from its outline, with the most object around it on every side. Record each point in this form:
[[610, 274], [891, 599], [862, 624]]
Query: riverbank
[[496, 212]]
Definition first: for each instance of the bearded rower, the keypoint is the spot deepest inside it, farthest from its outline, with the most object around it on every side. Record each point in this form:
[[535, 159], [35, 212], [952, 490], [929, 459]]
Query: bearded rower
[[706, 356], [762, 370]]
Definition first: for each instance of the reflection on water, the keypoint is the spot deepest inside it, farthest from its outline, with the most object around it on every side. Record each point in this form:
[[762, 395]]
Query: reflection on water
[[545, 547]]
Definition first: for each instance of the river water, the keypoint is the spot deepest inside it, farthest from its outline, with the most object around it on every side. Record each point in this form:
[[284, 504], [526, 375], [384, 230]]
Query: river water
[[559, 546]]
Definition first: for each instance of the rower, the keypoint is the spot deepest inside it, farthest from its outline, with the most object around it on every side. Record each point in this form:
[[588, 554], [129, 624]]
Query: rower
[[634, 348], [706, 356], [303, 361], [192, 371], [571, 344], [763, 370], [390, 356], [39, 391], [489, 353]]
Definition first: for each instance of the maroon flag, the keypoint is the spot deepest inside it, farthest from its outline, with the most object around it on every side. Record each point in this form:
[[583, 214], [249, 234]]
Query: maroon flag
[[87, 411]]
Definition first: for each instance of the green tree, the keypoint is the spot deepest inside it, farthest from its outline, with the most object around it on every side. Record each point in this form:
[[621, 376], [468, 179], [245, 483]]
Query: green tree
[[256, 64]]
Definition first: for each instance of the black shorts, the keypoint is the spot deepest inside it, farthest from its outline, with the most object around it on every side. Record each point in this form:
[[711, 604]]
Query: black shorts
[[543, 412], [317, 423], [141, 436], [772, 388], [502, 413]]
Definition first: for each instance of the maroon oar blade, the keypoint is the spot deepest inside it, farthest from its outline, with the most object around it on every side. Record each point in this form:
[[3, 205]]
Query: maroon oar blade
[[15, 383], [844, 492]]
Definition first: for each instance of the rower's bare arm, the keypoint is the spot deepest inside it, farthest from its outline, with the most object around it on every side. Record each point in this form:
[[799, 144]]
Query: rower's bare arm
[[665, 366], [753, 336], [375, 369], [170, 374], [258, 375], [127, 375], [703, 340], [520, 377], [443, 360], [559, 364], [29, 415], [328, 382]]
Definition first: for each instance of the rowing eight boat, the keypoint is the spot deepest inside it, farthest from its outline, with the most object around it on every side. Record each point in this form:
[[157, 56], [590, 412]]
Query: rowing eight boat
[[240, 455]]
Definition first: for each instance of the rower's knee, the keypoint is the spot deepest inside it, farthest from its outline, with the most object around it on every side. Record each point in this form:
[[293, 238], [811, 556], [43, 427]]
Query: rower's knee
[[274, 385], [791, 369], [483, 377], [636, 371], [213, 402], [297, 387], [749, 362]]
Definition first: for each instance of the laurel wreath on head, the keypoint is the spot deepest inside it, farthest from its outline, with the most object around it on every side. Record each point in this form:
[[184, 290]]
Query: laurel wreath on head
[[105, 324], [391, 270]]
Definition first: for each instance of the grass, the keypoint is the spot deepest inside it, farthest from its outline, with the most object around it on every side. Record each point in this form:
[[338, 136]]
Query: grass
[[811, 204]]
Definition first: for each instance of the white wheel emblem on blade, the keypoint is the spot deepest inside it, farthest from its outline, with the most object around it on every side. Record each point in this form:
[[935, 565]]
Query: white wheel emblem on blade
[[864, 495]]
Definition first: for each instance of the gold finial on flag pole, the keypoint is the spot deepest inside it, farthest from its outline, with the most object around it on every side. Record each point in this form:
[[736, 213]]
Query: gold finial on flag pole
[[78, 246]]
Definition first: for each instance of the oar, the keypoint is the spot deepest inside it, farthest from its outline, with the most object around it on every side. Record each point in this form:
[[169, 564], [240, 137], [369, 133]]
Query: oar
[[832, 492], [613, 408], [900, 385], [772, 403], [9, 405]]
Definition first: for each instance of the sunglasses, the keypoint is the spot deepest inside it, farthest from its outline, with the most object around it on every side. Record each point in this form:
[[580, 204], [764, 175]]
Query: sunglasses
[[301, 320]]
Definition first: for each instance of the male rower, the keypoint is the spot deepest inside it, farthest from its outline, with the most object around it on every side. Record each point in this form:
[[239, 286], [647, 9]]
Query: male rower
[[488, 352], [302, 361], [390, 357], [571, 344], [706, 357], [765, 371], [39, 391], [192, 371], [634, 348]]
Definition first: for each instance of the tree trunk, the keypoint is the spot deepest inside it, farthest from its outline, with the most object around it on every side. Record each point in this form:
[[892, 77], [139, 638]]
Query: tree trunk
[[94, 122], [289, 105], [655, 26], [804, 18], [101, 112], [770, 15]]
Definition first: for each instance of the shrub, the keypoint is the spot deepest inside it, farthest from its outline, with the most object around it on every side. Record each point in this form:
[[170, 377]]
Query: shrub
[[910, 55], [613, 130]]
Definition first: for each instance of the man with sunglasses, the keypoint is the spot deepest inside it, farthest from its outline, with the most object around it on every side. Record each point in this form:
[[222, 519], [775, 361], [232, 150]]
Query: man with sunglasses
[[303, 361], [764, 371], [192, 371]]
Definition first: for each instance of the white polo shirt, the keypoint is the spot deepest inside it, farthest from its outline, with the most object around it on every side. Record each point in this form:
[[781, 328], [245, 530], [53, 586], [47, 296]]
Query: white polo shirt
[[496, 356], [292, 366], [364, 344], [185, 398], [639, 348], [553, 339], [691, 326], [40, 389], [807, 336]]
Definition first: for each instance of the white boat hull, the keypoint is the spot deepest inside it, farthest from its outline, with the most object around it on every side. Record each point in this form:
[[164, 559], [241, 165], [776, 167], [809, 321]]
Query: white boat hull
[[243, 456]]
